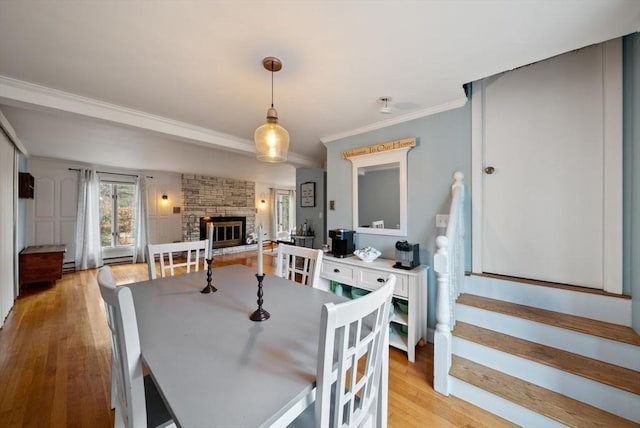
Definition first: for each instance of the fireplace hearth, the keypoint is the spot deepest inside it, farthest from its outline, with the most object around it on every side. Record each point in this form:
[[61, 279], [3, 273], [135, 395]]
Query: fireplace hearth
[[227, 231]]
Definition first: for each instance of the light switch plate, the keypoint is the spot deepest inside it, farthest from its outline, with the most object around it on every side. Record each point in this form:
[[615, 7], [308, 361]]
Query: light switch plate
[[442, 220]]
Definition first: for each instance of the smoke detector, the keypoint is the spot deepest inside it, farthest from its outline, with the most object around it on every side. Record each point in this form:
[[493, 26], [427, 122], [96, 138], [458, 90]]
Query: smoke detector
[[384, 101]]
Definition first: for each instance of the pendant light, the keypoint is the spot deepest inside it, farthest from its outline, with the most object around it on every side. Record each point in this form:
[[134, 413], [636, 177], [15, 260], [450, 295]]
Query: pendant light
[[272, 140]]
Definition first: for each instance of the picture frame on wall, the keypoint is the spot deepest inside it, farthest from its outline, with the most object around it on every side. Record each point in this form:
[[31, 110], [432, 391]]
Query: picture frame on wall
[[308, 194]]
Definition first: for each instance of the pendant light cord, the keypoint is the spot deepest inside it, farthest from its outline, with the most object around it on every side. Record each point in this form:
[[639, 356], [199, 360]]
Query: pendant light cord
[[271, 84]]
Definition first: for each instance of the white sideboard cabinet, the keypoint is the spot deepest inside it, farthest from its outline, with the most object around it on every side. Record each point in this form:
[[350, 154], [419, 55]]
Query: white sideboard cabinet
[[407, 329]]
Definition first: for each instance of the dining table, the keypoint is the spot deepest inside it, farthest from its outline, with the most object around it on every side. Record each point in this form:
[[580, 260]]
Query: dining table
[[213, 366]]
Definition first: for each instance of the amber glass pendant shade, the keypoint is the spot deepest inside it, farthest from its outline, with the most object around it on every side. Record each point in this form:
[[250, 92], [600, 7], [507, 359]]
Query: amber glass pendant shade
[[271, 139]]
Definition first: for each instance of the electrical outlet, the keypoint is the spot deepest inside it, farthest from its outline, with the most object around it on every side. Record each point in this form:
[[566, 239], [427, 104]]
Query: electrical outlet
[[332, 205], [442, 220]]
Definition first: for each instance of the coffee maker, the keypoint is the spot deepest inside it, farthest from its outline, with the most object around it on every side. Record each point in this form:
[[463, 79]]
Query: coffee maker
[[407, 255], [342, 244]]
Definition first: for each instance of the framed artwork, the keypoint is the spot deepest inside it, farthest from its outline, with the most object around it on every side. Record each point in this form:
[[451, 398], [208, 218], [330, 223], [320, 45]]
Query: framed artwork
[[308, 194]]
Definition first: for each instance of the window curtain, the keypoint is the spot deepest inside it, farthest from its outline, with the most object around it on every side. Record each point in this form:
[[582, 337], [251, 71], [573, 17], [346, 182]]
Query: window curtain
[[272, 222], [292, 211], [141, 226], [88, 246]]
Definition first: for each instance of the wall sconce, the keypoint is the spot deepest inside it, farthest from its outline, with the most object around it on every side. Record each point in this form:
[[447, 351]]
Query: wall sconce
[[165, 199], [263, 202]]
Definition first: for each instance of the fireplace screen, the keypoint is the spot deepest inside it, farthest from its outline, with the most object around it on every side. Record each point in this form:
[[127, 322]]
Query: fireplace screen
[[227, 231]]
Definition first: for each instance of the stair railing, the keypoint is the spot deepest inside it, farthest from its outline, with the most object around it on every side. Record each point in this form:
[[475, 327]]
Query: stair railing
[[448, 263]]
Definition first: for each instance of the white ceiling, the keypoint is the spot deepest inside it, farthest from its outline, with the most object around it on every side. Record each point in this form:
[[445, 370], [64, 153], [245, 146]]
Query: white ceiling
[[179, 85]]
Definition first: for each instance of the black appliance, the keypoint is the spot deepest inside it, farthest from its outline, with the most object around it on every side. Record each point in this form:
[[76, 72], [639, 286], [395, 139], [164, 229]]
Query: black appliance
[[342, 244], [407, 255]]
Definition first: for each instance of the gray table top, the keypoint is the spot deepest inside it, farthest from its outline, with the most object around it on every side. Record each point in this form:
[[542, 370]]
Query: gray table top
[[213, 365]]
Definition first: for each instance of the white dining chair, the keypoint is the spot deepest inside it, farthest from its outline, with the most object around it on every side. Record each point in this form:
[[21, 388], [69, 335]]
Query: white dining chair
[[353, 363], [137, 402], [300, 264], [195, 253], [377, 224]]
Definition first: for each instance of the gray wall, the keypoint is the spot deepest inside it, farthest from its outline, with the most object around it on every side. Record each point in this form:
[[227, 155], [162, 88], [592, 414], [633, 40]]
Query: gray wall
[[315, 216], [631, 188], [444, 146]]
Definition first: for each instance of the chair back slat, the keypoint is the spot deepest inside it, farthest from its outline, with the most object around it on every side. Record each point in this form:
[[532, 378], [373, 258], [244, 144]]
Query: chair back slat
[[300, 264], [195, 253], [123, 325], [353, 357]]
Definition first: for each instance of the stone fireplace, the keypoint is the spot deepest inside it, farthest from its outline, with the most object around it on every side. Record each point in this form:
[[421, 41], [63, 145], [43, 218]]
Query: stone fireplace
[[219, 198], [227, 231]]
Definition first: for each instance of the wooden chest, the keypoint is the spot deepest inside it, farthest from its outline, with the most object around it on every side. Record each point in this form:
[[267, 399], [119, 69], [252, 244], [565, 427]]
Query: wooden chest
[[41, 263]]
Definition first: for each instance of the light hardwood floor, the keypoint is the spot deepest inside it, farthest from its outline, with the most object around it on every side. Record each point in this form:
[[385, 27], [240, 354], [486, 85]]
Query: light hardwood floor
[[55, 361]]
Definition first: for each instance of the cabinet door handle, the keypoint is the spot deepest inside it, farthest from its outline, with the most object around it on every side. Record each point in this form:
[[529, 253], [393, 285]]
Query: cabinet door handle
[[380, 279], [336, 270]]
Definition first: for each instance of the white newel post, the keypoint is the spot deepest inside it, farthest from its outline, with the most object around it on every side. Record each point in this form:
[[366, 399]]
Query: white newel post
[[448, 264], [442, 336]]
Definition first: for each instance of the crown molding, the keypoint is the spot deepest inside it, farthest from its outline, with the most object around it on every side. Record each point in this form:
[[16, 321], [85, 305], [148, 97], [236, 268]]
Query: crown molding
[[26, 94], [8, 130], [396, 120]]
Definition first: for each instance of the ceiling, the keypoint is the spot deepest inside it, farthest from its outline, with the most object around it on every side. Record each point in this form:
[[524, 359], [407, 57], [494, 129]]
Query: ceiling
[[179, 85]]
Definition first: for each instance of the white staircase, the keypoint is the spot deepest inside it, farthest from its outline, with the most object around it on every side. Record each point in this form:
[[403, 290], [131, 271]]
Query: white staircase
[[543, 356], [539, 355]]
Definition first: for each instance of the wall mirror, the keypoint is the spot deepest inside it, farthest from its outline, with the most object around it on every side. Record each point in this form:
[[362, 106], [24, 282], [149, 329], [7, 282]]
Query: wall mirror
[[379, 181]]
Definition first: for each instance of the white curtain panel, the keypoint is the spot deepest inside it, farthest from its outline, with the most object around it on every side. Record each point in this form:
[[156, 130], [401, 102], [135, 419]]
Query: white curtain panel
[[88, 247], [272, 203], [141, 226], [292, 211]]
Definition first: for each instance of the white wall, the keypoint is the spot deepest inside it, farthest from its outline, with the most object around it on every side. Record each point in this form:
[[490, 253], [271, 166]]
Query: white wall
[[263, 211], [164, 224], [7, 243], [51, 215]]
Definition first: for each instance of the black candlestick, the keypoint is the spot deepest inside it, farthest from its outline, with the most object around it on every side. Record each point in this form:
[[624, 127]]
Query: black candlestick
[[209, 288], [260, 314]]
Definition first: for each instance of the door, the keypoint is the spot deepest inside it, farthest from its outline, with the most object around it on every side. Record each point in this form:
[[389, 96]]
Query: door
[[552, 134]]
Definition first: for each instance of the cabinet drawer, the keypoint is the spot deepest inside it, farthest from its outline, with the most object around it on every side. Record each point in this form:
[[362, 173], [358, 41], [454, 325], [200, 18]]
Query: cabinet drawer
[[373, 280], [337, 272]]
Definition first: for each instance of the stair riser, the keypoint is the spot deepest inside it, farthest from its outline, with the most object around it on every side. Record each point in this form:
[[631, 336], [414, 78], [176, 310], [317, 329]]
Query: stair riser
[[499, 406], [603, 308], [602, 349], [605, 397]]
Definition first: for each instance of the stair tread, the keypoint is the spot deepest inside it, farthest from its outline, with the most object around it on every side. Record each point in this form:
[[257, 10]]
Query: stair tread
[[599, 371], [593, 327], [540, 400]]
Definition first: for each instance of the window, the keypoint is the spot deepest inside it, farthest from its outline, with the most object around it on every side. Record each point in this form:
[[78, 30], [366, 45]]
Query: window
[[285, 220], [117, 214]]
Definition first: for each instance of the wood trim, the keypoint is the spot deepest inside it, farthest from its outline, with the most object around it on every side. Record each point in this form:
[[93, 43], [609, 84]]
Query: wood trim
[[477, 160], [568, 287], [589, 326], [579, 365], [380, 148]]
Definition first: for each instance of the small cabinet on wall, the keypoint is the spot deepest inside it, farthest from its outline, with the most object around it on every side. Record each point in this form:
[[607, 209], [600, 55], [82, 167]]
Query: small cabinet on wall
[[409, 317], [25, 185]]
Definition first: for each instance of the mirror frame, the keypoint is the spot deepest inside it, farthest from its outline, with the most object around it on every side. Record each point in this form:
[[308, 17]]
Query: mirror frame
[[381, 158]]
